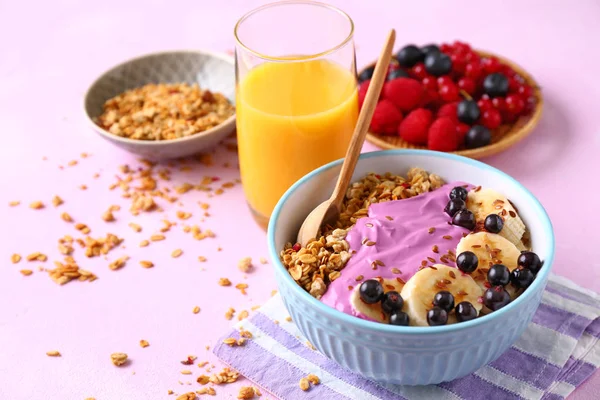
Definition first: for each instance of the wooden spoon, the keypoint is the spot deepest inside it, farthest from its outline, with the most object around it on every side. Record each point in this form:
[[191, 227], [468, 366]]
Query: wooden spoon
[[329, 210]]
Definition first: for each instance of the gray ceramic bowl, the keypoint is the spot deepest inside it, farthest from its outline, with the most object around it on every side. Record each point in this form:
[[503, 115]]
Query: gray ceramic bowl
[[210, 70]]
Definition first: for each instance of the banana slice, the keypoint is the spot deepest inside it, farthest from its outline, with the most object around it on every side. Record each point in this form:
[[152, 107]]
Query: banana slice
[[374, 311], [421, 287], [484, 202], [490, 249]]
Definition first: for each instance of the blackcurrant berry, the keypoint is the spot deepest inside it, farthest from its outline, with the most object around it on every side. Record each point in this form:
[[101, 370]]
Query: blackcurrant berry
[[436, 316], [468, 111], [454, 206], [366, 74], [530, 260], [371, 291], [467, 262], [438, 64], [409, 55], [430, 48], [495, 298], [498, 275], [399, 318], [465, 311], [478, 136], [464, 218], [493, 223], [444, 300], [522, 278], [495, 85], [391, 302], [459, 192], [397, 73]]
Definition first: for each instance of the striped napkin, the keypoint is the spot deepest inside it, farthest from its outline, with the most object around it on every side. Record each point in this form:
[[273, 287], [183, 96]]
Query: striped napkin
[[559, 350]]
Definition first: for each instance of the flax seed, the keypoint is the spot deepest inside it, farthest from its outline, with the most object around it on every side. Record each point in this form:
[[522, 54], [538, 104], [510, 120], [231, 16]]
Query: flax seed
[[146, 264], [176, 253], [431, 230]]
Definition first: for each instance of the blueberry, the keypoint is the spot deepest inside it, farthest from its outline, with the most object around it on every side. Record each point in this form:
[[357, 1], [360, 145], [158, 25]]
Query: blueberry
[[459, 192], [467, 262], [430, 48], [495, 85], [391, 302], [498, 275], [454, 206], [399, 318], [493, 223], [366, 74], [478, 136], [468, 111], [444, 300], [495, 298], [437, 63], [436, 316], [464, 218], [530, 260], [397, 73], [522, 278], [465, 311], [409, 55], [371, 291]]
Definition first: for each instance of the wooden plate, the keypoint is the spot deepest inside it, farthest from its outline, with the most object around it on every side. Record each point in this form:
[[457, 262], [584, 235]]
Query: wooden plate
[[503, 137]]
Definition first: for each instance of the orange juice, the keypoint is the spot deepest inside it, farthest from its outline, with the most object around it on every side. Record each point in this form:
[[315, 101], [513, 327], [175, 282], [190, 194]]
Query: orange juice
[[292, 117]]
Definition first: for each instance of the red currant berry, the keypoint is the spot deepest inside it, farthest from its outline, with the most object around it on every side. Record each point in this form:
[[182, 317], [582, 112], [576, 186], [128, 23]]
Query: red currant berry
[[393, 66], [525, 91], [529, 105], [508, 71], [449, 92], [472, 57], [461, 47], [473, 71], [444, 80], [491, 118], [499, 103], [509, 118], [461, 131], [491, 65], [430, 97], [418, 71], [446, 48], [467, 84], [485, 104], [515, 104], [513, 85], [458, 63], [429, 83]]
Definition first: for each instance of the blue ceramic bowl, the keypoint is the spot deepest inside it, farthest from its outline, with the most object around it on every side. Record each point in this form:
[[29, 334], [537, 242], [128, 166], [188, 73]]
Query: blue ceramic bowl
[[397, 354]]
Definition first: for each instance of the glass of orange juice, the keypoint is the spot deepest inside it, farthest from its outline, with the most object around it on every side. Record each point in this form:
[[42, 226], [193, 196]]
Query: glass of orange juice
[[296, 95]]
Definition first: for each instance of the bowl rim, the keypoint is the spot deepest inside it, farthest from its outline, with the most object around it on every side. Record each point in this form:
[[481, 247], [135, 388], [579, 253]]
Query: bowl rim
[[156, 143], [412, 330]]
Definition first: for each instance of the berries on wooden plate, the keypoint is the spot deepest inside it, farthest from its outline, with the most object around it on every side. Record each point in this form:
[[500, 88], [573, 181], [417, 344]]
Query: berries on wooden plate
[[451, 86]]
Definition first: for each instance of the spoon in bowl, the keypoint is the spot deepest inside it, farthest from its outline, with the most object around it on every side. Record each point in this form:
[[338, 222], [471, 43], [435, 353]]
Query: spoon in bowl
[[329, 210]]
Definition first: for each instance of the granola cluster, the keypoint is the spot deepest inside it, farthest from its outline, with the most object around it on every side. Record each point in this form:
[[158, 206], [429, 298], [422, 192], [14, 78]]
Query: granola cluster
[[164, 111], [319, 263]]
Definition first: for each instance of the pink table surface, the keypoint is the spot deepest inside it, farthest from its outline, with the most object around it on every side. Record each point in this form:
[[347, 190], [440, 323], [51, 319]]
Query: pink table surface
[[50, 52]]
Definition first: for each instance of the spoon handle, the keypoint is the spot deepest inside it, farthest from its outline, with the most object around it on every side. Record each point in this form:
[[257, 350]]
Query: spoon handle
[[364, 120]]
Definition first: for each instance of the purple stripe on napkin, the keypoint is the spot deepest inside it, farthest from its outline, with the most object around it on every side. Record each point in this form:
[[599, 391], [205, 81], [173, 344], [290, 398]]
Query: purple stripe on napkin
[[291, 343], [473, 387], [519, 365], [561, 320]]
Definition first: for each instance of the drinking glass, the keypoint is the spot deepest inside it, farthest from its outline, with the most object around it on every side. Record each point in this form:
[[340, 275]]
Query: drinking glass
[[296, 95]]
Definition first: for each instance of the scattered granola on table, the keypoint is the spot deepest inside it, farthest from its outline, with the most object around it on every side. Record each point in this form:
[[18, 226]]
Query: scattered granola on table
[[164, 111], [313, 267]]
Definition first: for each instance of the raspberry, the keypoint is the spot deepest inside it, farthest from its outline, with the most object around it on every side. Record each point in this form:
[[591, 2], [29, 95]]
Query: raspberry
[[491, 118], [385, 118], [467, 84], [448, 110], [449, 92], [418, 71], [430, 98], [405, 93], [461, 132], [414, 126], [458, 63], [514, 104], [442, 135], [362, 92]]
